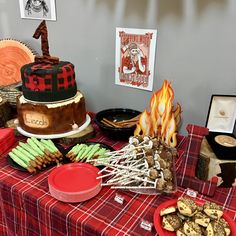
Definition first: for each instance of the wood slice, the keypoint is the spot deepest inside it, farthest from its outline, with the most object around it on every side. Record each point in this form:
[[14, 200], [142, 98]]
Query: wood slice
[[14, 54], [5, 111], [80, 137]]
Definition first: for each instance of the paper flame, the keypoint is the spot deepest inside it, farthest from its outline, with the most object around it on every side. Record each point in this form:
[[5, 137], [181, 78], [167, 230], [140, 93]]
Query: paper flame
[[163, 119]]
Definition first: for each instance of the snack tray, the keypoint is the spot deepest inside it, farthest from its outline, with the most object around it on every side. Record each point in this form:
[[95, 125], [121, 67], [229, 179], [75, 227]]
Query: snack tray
[[54, 136]]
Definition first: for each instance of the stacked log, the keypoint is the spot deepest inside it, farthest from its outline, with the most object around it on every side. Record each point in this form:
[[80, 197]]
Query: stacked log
[[5, 111]]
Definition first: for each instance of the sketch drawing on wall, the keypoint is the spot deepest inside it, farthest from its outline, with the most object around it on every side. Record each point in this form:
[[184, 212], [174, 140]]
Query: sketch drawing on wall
[[135, 56], [38, 9]]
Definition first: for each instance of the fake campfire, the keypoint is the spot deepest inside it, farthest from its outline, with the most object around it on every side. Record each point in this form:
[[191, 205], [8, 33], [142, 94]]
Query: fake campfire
[[163, 119]]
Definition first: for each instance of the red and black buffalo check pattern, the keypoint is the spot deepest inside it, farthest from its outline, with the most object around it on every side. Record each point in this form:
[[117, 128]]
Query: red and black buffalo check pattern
[[40, 77], [66, 77], [27, 207], [48, 83]]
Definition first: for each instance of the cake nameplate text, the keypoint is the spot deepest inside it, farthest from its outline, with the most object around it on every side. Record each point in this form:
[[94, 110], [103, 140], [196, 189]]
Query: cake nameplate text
[[35, 120]]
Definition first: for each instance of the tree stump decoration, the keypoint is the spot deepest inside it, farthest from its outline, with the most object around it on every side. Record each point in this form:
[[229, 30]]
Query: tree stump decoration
[[5, 111]]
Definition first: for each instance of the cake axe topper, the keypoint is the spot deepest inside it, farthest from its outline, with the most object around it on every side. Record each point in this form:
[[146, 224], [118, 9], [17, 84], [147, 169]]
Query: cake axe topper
[[46, 58]]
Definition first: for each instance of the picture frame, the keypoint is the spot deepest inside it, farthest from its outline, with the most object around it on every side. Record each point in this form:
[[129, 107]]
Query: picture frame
[[221, 116], [135, 57], [38, 9], [221, 122]]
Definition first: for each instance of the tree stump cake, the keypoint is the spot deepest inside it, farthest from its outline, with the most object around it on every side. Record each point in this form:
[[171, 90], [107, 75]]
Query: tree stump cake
[[209, 165]]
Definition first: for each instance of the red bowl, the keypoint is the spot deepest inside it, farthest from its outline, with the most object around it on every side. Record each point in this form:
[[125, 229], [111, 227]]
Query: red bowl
[[74, 182], [173, 202]]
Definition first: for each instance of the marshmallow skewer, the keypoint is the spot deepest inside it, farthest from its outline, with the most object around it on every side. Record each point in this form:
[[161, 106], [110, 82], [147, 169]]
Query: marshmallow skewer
[[132, 187], [125, 167], [137, 165], [131, 177], [114, 172]]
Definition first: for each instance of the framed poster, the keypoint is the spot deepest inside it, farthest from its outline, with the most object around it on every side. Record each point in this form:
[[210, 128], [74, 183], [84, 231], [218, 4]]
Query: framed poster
[[38, 9], [135, 56]]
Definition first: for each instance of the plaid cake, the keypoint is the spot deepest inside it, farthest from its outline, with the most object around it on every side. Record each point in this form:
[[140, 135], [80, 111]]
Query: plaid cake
[[48, 83]]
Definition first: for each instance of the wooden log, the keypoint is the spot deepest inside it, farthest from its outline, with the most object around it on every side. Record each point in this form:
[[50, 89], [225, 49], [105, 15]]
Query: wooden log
[[5, 111]]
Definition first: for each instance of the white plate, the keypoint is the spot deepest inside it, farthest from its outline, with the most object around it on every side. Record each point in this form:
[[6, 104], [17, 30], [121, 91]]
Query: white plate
[[53, 136]]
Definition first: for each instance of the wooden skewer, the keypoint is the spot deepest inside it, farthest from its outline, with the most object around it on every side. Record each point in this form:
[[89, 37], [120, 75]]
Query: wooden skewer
[[121, 124]]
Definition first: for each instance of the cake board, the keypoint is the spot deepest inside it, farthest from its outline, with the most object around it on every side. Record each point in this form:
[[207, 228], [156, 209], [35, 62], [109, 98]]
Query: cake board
[[82, 136], [56, 136]]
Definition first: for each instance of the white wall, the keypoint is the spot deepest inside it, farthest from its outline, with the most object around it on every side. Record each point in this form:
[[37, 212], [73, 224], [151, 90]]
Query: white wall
[[196, 48]]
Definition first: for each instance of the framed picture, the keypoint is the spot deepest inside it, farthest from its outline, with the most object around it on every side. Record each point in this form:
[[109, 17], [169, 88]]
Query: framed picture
[[135, 56], [38, 9]]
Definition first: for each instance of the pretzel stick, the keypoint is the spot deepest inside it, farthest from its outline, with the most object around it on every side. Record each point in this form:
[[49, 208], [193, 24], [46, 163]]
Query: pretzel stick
[[134, 119], [128, 125], [111, 123], [116, 125], [121, 124], [105, 123]]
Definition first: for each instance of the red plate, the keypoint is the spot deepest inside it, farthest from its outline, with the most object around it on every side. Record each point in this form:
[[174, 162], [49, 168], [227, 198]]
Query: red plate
[[74, 182], [173, 202]]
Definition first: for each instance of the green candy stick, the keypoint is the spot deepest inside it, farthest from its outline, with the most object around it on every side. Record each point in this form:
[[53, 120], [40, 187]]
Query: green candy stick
[[49, 145], [83, 149], [88, 149], [101, 153], [52, 144], [42, 147], [28, 148], [46, 145], [35, 147], [22, 150], [21, 156], [93, 151], [76, 149], [17, 160]]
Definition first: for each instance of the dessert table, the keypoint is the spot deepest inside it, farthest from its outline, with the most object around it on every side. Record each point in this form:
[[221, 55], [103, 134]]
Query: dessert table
[[27, 207]]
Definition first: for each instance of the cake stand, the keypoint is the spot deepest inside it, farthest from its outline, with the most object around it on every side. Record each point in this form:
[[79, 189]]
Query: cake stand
[[54, 136]]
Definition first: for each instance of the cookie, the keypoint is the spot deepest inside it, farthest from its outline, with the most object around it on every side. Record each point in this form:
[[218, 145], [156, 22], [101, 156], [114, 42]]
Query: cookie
[[214, 228], [226, 226], [186, 206], [192, 229], [182, 217], [171, 222], [168, 210], [213, 210], [201, 219], [180, 232]]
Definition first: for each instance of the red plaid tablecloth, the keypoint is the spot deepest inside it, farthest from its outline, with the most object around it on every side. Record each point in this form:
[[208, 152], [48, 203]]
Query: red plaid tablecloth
[[27, 207]]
